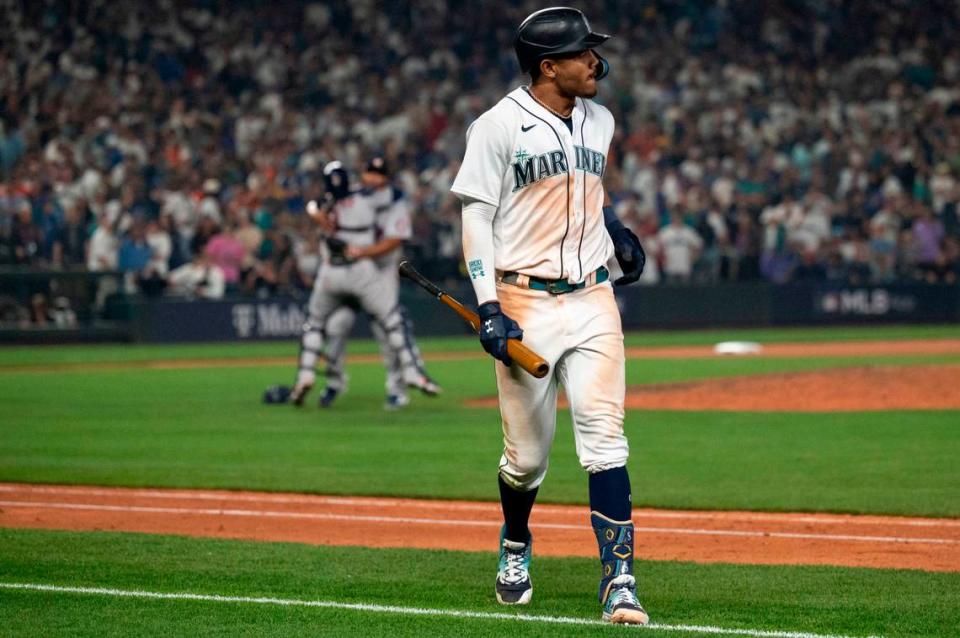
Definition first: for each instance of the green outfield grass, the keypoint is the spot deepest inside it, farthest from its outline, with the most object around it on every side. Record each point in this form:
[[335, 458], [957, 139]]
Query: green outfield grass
[[207, 428], [132, 426], [13, 356], [823, 600]]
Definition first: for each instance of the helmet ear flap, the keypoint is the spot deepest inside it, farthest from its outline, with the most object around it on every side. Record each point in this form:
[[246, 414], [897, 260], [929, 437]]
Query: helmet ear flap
[[603, 67]]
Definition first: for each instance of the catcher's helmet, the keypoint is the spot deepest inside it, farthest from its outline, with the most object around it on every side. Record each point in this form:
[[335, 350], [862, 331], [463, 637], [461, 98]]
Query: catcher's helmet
[[553, 31], [336, 180]]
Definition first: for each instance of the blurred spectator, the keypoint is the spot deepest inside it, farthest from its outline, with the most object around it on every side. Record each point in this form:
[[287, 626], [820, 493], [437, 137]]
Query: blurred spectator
[[25, 237], [763, 134], [250, 236], [153, 277], [679, 246], [928, 234], [228, 252], [647, 234], [276, 271], [69, 247], [206, 229], [200, 279], [810, 267], [134, 256], [103, 247]]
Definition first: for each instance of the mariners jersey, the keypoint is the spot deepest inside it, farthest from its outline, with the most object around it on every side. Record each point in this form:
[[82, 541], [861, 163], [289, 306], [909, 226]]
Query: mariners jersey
[[546, 182]]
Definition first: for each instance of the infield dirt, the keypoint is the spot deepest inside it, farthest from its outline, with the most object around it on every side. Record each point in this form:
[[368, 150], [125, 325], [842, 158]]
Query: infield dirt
[[854, 389], [698, 536]]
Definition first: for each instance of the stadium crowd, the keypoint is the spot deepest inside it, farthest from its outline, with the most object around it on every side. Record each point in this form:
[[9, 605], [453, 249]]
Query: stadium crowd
[[179, 141]]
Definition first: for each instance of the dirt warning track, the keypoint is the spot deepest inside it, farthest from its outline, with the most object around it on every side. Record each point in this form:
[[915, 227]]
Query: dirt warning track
[[560, 530]]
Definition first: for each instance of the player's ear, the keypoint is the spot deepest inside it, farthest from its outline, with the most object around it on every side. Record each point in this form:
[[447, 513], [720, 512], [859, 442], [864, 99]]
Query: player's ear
[[548, 68]]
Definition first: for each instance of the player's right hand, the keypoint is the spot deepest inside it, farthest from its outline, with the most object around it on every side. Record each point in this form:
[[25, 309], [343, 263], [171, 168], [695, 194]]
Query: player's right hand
[[495, 329]]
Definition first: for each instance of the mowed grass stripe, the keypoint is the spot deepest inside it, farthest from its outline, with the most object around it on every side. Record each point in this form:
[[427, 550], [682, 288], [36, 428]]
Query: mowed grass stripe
[[394, 609]]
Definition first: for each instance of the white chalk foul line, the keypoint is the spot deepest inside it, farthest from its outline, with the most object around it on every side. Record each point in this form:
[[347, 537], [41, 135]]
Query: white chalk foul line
[[395, 609], [467, 523], [371, 501]]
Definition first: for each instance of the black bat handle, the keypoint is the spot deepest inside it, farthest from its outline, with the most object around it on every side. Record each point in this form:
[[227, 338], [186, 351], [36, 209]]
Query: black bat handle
[[407, 270]]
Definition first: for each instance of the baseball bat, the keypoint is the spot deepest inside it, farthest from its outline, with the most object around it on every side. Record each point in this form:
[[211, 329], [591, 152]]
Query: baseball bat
[[521, 354]]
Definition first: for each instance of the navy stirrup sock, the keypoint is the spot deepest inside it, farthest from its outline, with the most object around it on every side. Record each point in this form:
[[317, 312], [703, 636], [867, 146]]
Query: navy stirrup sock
[[516, 511], [610, 493], [610, 518]]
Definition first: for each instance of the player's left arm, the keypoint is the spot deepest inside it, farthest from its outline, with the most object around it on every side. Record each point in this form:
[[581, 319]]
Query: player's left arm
[[626, 244]]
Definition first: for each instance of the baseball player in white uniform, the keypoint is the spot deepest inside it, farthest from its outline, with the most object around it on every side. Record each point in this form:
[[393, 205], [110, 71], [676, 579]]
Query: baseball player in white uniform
[[348, 274], [393, 228], [536, 240]]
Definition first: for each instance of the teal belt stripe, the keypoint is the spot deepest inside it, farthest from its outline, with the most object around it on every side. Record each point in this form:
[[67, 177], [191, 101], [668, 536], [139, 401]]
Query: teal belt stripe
[[555, 286]]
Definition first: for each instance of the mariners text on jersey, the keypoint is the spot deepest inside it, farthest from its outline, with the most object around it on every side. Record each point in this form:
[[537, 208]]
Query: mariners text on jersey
[[528, 169]]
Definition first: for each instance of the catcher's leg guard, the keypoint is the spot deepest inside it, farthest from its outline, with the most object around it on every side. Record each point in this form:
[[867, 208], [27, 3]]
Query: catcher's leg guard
[[392, 327], [430, 388], [311, 344]]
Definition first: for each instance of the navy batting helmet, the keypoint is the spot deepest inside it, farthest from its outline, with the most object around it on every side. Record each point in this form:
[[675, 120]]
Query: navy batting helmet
[[554, 31], [336, 180]]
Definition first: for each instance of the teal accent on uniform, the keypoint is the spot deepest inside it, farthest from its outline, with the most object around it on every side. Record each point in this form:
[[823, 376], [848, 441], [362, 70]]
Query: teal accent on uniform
[[530, 169], [527, 551], [476, 269], [556, 286], [590, 161], [615, 541]]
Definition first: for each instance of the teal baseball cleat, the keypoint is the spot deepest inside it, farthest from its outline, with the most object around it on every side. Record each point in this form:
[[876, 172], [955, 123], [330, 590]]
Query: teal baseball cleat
[[513, 572], [622, 606]]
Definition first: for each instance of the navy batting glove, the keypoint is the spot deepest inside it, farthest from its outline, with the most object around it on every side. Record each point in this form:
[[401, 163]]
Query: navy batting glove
[[629, 255], [495, 329], [626, 247]]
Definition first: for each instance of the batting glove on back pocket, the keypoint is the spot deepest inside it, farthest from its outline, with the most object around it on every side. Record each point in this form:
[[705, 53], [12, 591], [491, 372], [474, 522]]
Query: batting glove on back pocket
[[495, 329]]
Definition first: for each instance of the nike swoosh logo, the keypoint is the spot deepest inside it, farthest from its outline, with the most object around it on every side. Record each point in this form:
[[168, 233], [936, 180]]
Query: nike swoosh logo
[[526, 128]]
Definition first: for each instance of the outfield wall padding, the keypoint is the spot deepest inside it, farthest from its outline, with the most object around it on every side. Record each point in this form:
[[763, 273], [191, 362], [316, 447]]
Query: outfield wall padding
[[169, 320]]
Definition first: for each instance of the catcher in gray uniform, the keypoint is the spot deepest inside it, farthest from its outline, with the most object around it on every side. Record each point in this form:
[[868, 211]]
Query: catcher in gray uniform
[[393, 221], [348, 275]]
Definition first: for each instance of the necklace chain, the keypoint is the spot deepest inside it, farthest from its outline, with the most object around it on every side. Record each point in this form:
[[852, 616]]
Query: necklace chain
[[540, 102]]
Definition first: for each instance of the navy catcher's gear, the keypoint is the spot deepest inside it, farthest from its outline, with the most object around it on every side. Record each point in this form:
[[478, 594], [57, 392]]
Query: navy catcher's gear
[[338, 251], [336, 180], [495, 329], [276, 394], [555, 31]]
